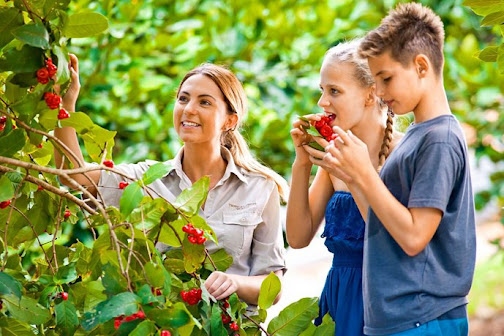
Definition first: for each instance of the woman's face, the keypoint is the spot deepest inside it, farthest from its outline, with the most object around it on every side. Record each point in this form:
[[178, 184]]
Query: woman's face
[[200, 112], [342, 96]]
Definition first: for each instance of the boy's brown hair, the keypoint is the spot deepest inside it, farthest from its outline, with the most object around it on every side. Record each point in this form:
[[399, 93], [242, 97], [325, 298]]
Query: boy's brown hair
[[408, 30]]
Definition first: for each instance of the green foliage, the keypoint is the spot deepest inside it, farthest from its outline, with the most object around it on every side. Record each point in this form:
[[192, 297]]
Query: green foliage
[[117, 282]]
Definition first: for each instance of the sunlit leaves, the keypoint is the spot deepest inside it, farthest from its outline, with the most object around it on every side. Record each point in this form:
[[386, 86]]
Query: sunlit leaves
[[85, 24]]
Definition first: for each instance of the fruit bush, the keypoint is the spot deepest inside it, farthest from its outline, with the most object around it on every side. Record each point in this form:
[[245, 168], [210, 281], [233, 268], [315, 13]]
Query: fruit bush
[[74, 266]]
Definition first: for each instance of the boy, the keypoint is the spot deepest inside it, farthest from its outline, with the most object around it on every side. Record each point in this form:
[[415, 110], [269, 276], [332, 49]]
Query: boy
[[420, 242]]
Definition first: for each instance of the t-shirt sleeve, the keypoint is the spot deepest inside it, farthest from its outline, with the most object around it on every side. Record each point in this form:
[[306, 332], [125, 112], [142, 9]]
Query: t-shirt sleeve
[[268, 252], [436, 172]]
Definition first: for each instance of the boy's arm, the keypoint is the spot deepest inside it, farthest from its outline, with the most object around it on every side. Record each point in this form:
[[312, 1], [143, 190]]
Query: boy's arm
[[411, 228]]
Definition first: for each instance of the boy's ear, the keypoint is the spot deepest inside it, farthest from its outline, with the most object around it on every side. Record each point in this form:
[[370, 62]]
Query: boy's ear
[[422, 65]]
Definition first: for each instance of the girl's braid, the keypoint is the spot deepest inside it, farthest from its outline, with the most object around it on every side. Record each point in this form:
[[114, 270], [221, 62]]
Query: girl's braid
[[387, 139]]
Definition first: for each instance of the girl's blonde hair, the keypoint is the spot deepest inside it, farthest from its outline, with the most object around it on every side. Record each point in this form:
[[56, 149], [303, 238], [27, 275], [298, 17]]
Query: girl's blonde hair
[[236, 100], [348, 52]]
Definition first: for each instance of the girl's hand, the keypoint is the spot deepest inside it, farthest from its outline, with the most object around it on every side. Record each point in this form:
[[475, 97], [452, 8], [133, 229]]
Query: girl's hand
[[300, 137], [70, 98]]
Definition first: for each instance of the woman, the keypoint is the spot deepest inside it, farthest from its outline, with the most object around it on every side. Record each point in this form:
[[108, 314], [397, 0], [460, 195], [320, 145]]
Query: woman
[[348, 99], [242, 206]]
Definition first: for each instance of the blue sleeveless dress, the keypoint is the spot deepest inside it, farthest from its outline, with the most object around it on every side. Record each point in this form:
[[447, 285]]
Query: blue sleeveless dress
[[342, 293]]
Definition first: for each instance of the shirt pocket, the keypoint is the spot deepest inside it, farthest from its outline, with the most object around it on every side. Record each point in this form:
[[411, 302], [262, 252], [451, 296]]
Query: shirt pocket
[[238, 231]]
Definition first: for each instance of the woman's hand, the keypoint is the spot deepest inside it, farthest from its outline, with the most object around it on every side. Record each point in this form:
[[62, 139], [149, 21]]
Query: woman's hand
[[220, 285], [70, 98]]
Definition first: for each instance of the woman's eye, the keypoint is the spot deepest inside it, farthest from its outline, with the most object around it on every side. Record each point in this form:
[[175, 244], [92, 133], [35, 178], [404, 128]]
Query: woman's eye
[[334, 91], [385, 80], [182, 99], [205, 102]]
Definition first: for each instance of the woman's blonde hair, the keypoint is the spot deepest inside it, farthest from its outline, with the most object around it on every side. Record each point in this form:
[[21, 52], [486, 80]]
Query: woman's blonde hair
[[348, 52], [236, 100]]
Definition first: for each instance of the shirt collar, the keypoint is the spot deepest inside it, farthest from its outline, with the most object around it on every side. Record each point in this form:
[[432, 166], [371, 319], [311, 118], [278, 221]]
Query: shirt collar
[[231, 167]]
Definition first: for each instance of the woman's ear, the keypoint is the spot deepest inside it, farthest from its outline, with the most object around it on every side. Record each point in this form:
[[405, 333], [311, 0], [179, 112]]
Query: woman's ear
[[231, 122]]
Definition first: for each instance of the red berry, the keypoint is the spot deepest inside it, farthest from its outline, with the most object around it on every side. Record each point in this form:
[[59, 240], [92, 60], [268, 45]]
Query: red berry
[[158, 292], [64, 296], [123, 184], [234, 326], [2, 127], [165, 333], [188, 228], [225, 318], [67, 214], [117, 322], [140, 314], [108, 163], [5, 204], [43, 75], [192, 239], [63, 114], [40, 188], [52, 100], [225, 304], [3, 119], [200, 240]]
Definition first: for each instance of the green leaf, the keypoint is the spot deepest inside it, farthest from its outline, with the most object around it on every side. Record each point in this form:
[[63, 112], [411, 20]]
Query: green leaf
[[194, 254], [63, 73], [296, 316], [121, 304], [34, 35], [174, 317], [221, 259], [493, 19], [85, 25], [13, 327], [144, 328], [190, 200], [67, 320], [27, 59], [10, 18], [500, 59], [156, 171], [131, 198], [26, 310], [489, 54], [216, 326], [12, 142], [6, 190], [9, 285], [270, 288], [155, 274]]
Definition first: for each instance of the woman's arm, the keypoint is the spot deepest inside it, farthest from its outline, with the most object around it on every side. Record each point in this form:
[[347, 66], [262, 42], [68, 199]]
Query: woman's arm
[[69, 137]]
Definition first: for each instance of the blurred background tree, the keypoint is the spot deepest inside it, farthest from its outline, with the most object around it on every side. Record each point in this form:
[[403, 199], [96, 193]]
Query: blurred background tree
[[129, 74]]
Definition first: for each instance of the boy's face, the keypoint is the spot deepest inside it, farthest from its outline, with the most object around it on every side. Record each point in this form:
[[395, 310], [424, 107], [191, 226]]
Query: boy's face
[[397, 85]]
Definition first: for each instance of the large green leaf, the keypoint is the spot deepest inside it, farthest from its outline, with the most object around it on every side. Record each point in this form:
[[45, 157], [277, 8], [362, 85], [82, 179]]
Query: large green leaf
[[144, 328], [33, 34], [9, 285], [174, 317], [221, 259], [26, 309], [6, 188], [13, 327], [67, 320], [216, 326], [26, 59], [190, 200], [270, 288], [131, 198], [156, 171], [12, 142], [489, 54], [121, 304], [295, 317], [85, 25], [10, 18]]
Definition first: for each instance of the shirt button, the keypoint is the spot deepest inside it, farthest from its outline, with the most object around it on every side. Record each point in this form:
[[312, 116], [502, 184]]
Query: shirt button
[[243, 219]]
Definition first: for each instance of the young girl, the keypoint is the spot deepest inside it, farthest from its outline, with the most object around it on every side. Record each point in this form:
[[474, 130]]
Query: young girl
[[243, 204], [348, 99]]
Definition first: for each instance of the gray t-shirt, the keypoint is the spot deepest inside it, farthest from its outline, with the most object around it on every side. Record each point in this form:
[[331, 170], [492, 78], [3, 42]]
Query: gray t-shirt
[[243, 209], [428, 169]]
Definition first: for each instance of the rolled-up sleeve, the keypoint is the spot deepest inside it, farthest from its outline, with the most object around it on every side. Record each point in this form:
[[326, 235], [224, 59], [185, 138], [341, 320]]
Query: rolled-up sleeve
[[268, 251]]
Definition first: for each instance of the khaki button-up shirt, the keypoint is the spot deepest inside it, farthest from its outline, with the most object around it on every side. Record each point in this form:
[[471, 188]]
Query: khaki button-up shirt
[[243, 209]]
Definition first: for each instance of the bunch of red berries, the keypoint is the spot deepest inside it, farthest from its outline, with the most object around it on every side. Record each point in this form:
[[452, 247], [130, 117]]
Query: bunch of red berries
[[46, 73], [120, 319], [323, 126], [192, 296], [194, 235], [3, 121], [226, 319], [52, 100]]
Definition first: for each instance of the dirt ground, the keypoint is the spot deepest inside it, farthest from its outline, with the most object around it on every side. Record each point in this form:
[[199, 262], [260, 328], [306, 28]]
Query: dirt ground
[[492, 326]]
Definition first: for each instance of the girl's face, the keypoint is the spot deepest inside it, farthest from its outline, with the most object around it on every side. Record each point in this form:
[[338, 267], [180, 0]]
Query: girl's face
[[200, 113], [343, 97], [398, 86]]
